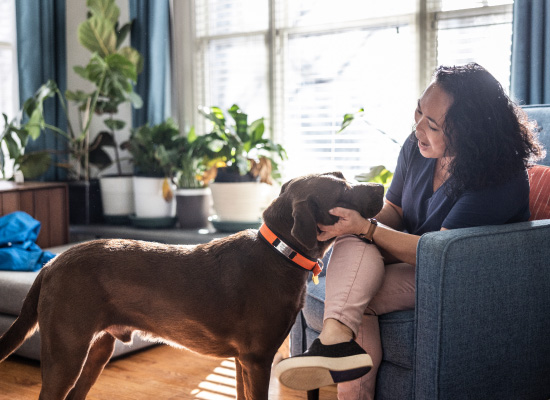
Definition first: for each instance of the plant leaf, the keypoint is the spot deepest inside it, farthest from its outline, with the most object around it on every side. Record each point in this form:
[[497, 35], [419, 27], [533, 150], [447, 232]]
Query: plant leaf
[[115, 124], [133, 56], [34, 164], [348, 119], [97, 35], [106, 9], [122, 33], [100, 158]]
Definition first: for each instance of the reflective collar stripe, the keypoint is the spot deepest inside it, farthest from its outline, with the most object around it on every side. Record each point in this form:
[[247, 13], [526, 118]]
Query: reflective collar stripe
[[289, 252]]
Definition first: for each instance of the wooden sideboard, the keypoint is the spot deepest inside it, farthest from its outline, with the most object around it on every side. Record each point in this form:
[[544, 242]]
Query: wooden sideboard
[[47, 202]]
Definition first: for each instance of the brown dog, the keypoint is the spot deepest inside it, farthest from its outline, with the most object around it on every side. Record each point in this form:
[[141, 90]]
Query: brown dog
[[233, 297]]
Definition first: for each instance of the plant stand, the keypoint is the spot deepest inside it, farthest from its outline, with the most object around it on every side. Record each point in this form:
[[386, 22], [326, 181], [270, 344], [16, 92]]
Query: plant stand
[[85, 202]]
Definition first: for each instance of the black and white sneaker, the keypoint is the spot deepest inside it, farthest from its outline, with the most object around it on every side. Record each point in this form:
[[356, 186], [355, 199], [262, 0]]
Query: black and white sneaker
[[323, 365]]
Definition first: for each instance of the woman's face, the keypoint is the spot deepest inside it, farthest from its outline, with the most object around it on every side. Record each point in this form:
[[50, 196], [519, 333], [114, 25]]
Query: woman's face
[[430, 117]]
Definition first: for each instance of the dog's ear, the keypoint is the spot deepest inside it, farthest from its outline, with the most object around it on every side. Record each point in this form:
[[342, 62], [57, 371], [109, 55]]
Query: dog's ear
[[304, 229], [336, 174]]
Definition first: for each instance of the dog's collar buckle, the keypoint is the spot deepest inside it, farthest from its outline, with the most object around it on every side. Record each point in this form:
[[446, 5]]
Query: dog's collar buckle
[[314, 266]]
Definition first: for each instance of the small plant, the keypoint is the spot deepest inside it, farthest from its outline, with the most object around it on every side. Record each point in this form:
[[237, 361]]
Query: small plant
[[15, 138], [242, 147], [196, 161], [155, 149]]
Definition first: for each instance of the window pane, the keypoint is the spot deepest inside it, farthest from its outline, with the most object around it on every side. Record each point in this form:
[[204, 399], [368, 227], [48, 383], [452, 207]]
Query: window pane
[[331, 75], [6, 82], [447, 5], [231, 16], [6, 19], [486, 40], [238, 74], [315, 12], [7, 59]]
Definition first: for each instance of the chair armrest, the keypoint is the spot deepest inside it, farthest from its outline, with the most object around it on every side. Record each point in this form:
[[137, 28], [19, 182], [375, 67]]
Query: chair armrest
[[482, 312]]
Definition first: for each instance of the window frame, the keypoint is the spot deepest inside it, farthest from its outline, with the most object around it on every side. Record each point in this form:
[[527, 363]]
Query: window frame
[[195, 86]]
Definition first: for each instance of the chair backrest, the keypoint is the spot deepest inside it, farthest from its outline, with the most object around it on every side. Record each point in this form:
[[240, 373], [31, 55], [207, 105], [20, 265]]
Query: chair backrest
[[541, 114]]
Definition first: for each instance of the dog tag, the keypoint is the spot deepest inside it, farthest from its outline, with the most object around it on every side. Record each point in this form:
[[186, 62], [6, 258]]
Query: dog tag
[[315, 279]]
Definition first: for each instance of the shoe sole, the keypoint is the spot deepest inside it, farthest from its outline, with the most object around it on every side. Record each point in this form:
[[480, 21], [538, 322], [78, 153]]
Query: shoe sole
[[308, 373]]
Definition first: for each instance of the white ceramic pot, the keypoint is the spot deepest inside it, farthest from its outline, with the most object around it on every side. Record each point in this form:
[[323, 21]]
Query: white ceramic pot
[[149, 201], [117, 195], [241, 201]]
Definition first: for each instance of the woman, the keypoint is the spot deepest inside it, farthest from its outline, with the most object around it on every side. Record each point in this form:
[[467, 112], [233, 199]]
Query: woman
[[464, 165]]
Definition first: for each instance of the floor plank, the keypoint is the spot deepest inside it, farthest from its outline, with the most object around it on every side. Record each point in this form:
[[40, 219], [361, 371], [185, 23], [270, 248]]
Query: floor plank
[[159, 373]]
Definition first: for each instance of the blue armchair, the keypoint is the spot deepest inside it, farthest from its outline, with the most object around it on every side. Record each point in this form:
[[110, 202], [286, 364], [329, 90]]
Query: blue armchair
[[481, 326]]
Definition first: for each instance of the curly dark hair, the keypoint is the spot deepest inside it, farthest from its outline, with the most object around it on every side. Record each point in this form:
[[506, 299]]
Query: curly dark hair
[[488, 136]]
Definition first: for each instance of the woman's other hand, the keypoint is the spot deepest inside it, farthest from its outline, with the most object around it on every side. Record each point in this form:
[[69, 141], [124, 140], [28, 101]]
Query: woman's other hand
[[350, 222]]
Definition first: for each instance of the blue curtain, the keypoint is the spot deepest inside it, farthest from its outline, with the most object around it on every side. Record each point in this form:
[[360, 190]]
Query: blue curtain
[[151, 37], [530, 74], [41, 55]]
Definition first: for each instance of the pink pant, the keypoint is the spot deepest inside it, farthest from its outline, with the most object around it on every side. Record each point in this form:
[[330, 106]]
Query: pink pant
[[359, 287]]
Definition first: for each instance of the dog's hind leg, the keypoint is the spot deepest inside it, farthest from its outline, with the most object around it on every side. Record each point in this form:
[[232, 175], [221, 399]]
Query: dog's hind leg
[[99, 355], [255, 374], [62, 358], [239, 380]]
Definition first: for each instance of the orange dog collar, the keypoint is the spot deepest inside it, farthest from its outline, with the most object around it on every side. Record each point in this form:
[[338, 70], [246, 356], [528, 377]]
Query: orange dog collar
[[305, 262]]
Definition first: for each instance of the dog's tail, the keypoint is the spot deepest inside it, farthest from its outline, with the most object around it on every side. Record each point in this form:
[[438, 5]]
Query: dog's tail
[[25, 325]]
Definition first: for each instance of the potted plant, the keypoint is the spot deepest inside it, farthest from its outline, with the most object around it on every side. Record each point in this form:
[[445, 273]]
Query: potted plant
[[155, 154], [15, 137], [112, 71], [194, 172], [243, 186]]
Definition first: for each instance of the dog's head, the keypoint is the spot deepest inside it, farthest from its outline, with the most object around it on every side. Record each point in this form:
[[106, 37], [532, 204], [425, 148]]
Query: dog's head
[[305, 201]]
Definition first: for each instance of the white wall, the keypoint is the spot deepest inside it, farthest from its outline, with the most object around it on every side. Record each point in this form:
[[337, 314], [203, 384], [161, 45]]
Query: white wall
[[78, 55]]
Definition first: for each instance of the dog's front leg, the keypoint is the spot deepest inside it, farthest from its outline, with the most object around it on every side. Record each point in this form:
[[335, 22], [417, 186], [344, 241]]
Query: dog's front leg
[[255, 373]]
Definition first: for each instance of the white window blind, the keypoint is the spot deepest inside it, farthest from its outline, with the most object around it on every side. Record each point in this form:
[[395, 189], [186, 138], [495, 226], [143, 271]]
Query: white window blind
[[8, 87], [9, 98], [303, 64]]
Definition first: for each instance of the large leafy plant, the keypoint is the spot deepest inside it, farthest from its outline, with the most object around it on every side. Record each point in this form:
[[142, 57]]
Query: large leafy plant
[[242, 147], [112, 70]]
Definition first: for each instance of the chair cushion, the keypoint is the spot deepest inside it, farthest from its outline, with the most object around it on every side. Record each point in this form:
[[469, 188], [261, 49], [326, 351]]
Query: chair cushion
[[14, 286], [539, 196]]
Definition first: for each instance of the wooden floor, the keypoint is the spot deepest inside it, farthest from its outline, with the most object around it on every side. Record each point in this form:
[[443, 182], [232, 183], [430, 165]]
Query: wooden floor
[[156, 373]]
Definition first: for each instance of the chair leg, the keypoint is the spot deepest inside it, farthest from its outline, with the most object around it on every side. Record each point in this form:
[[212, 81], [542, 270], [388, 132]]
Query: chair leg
[[313, 394]]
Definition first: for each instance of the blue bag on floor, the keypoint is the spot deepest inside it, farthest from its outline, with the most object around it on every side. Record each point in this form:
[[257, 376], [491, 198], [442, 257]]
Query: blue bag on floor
[[18, 248]]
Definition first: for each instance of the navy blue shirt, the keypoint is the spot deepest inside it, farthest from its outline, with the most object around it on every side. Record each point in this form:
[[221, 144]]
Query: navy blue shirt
[[425, 210]]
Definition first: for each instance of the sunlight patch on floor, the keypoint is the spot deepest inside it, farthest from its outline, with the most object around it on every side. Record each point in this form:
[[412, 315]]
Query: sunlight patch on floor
[[219, 385]]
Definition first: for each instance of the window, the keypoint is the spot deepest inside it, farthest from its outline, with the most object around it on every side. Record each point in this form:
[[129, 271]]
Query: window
[[303, 64], [9, 101]]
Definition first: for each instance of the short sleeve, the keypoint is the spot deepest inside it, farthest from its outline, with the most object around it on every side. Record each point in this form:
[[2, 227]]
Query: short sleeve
[[395, 191]]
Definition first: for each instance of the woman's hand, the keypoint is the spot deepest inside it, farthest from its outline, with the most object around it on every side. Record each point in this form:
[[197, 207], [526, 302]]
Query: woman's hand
[[350, 222]]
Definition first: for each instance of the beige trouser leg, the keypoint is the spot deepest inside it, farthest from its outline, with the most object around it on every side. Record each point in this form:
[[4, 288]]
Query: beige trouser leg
[[359, 287]]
